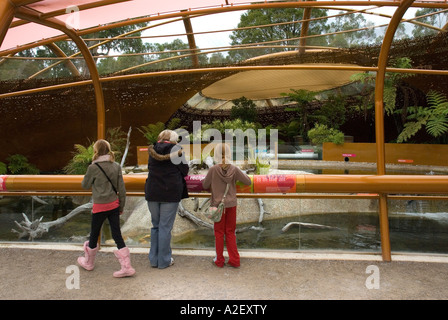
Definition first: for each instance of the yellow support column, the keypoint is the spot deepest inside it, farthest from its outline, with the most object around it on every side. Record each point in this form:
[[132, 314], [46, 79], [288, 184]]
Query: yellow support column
[[379, 122]]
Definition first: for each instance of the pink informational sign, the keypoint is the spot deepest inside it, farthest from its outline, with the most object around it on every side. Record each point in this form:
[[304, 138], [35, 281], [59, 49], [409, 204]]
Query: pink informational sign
[[348, 155], [194, 183], [3, 183], [405, 160], [275, 183]]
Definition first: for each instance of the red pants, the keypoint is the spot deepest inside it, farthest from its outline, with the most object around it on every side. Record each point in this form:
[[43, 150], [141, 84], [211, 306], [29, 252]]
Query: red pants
[[226, 228]]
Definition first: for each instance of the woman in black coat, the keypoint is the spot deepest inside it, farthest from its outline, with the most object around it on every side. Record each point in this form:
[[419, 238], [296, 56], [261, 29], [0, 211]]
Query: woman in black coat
[[164, 188]]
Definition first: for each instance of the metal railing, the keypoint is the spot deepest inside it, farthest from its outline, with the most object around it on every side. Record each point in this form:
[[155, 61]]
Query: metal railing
[[397, 187]]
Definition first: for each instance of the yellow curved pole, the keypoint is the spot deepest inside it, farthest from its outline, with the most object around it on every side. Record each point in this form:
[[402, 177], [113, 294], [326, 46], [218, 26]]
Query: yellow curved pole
[[379, 122], [58, 52], [31, 15]]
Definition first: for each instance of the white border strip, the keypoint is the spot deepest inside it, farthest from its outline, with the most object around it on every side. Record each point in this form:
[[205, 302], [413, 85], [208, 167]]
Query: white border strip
[[261, 254]]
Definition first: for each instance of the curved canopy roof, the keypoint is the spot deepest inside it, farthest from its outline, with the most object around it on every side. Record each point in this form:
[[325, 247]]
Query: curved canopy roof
[[85, 14]]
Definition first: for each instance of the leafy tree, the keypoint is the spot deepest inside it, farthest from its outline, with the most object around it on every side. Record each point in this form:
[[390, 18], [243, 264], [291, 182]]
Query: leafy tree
[[350, 22], [434, 118], [437, 20], [333, 111], [243, 109], [281, 32], [175, 54], [304, 109]]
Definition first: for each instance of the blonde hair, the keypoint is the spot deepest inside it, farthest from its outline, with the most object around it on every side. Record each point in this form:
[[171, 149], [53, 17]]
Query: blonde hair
[[168, 135], [222, 153], [101, 148]]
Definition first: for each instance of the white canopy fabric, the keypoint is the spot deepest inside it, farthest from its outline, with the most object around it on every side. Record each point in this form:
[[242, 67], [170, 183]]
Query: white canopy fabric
[[269, 84]]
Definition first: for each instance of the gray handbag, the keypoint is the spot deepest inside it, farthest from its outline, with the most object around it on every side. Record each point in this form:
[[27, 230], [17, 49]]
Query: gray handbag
[[215, 213]]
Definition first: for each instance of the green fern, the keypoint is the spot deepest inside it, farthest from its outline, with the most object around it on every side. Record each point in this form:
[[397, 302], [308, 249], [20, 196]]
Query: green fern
[[410, 129], [434, 118], [151, 131], [18, 164], [80, 161]]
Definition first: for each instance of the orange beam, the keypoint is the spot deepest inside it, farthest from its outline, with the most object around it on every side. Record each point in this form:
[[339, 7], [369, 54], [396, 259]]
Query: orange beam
[[191, 41], [221, 69], [304, 29], [57, 51], [394, 184]]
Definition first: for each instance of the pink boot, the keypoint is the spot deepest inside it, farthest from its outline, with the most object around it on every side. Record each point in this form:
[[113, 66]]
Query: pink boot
[[124, 258], [88, 261]]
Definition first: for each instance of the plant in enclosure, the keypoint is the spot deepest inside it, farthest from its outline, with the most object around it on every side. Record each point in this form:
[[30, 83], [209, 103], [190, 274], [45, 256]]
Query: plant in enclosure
[[3, 169], [81, 160], [304, 109], [392, 82], [18, 164], [434, 118], [243, 109], [152, 130], [321, 133]]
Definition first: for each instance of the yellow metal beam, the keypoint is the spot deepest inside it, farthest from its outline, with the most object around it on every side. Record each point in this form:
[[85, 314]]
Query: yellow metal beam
[[304, 29], [369, 184], [57, 51], [379, 122]]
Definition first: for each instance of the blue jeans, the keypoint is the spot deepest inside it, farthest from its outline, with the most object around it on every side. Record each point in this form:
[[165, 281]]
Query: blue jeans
[[162, 218]]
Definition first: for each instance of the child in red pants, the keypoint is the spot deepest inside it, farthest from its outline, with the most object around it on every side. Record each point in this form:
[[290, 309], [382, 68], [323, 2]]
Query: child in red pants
[[226, 229], [217, 178]]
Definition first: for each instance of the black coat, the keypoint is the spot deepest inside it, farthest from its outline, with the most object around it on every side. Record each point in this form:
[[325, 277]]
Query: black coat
[[167, 168]]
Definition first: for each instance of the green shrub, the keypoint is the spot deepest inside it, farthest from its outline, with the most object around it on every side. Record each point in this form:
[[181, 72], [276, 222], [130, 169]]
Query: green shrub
[[18, 164], [321, 133], [3, 168], [81, 160], [244, 109]]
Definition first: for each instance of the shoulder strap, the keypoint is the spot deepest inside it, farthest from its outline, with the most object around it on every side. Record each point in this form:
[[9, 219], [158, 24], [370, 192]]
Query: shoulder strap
[[106, 177], [225, 193]]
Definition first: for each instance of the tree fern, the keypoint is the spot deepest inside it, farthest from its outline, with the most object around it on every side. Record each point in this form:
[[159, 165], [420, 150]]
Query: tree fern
[[434, 118], [80, 161]]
